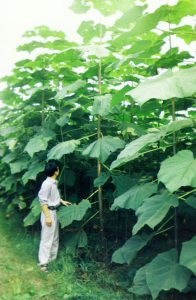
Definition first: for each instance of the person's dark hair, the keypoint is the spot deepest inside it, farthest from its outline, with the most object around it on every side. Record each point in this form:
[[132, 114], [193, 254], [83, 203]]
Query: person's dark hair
[[51, 167]]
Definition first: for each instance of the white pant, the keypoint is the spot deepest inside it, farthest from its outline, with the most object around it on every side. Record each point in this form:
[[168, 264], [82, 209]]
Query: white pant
[[49, 243]]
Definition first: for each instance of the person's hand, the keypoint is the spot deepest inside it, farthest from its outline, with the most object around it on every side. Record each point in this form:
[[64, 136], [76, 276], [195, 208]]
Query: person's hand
[[66, 203], [48, 221]]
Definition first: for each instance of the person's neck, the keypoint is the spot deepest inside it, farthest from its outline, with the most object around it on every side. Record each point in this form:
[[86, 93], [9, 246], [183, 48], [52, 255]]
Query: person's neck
[[53, 177]]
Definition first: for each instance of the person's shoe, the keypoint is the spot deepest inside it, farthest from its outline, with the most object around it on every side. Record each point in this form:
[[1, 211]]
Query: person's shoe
[[44, 268]]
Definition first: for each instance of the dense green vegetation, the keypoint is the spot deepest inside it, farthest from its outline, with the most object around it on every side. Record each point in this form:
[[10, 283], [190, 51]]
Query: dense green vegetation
[[124, 137]]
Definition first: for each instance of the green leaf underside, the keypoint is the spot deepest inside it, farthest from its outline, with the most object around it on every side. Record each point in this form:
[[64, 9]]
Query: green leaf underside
[[133, 198], [63, 148], [139, 286], [154, 209], [129, 250], [34, 169], [73, 212], [169, 85], [164, 273], [101, 105], [136, 148], [34, 214], [178, 170], [188, 255], [103, 147]]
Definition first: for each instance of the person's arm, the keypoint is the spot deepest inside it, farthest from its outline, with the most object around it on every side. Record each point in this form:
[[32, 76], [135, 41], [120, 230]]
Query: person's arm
[[66, 203], [47, 214], [43, 198]]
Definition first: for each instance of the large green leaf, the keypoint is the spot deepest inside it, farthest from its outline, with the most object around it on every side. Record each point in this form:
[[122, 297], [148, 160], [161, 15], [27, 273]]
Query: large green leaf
[[39, 142], [8, 183], [34, 214], [34, 169], [18, 166], [133, 197], [129, 250], [164, 273], [139, 286], [73, 212], [154, 209], [69, 89], [63, 148], [101, 105], [178, 170], [103, 147], [188, 255], [136, 147], [123, 182], [89, 30], [169, 85]]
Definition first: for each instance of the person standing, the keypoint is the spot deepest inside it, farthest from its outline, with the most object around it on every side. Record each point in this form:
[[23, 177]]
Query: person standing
[[50, 200]]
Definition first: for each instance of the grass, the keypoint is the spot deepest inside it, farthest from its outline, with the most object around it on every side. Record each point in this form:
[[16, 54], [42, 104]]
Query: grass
[[21, 279]]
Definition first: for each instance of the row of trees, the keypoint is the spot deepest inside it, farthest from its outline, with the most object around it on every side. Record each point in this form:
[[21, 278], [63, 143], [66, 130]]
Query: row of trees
[[123, 135]]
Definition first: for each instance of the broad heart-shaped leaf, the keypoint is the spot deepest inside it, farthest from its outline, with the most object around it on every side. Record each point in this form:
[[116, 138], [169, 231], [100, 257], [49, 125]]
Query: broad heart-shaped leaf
[[136, 147], [73, 212], [154, 209], [18, 166], [34, 169], [164, 273], [139, 286], [178, 170], [34, 214], [169, 85], [103, 147], [191, 201], [39, 142], [188, 255], [134, 196], [101, 105], [8, 183], [129, 250], [69, 89], [63, 148]]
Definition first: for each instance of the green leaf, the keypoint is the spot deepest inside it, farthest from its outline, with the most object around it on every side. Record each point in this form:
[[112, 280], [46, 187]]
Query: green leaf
[[186, 32], [35, 168], [188, 255], [119, 96], [101, 105], [73, 212], [8, 183], [154, 209], [103, 147], [19, 166], [34, 214], [169, 85], [136, 147], [63, 148], [122, 183], [134, 197], [69, 89], [178, 170], [79, 7], [36, 144], [101, 180], [139, 286], [64, 119], [164, 273], [191, 201], [88, 30], [129, 250]]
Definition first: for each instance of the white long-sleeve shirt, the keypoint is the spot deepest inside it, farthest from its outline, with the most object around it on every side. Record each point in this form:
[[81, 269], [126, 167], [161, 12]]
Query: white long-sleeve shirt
[[49, 193]]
